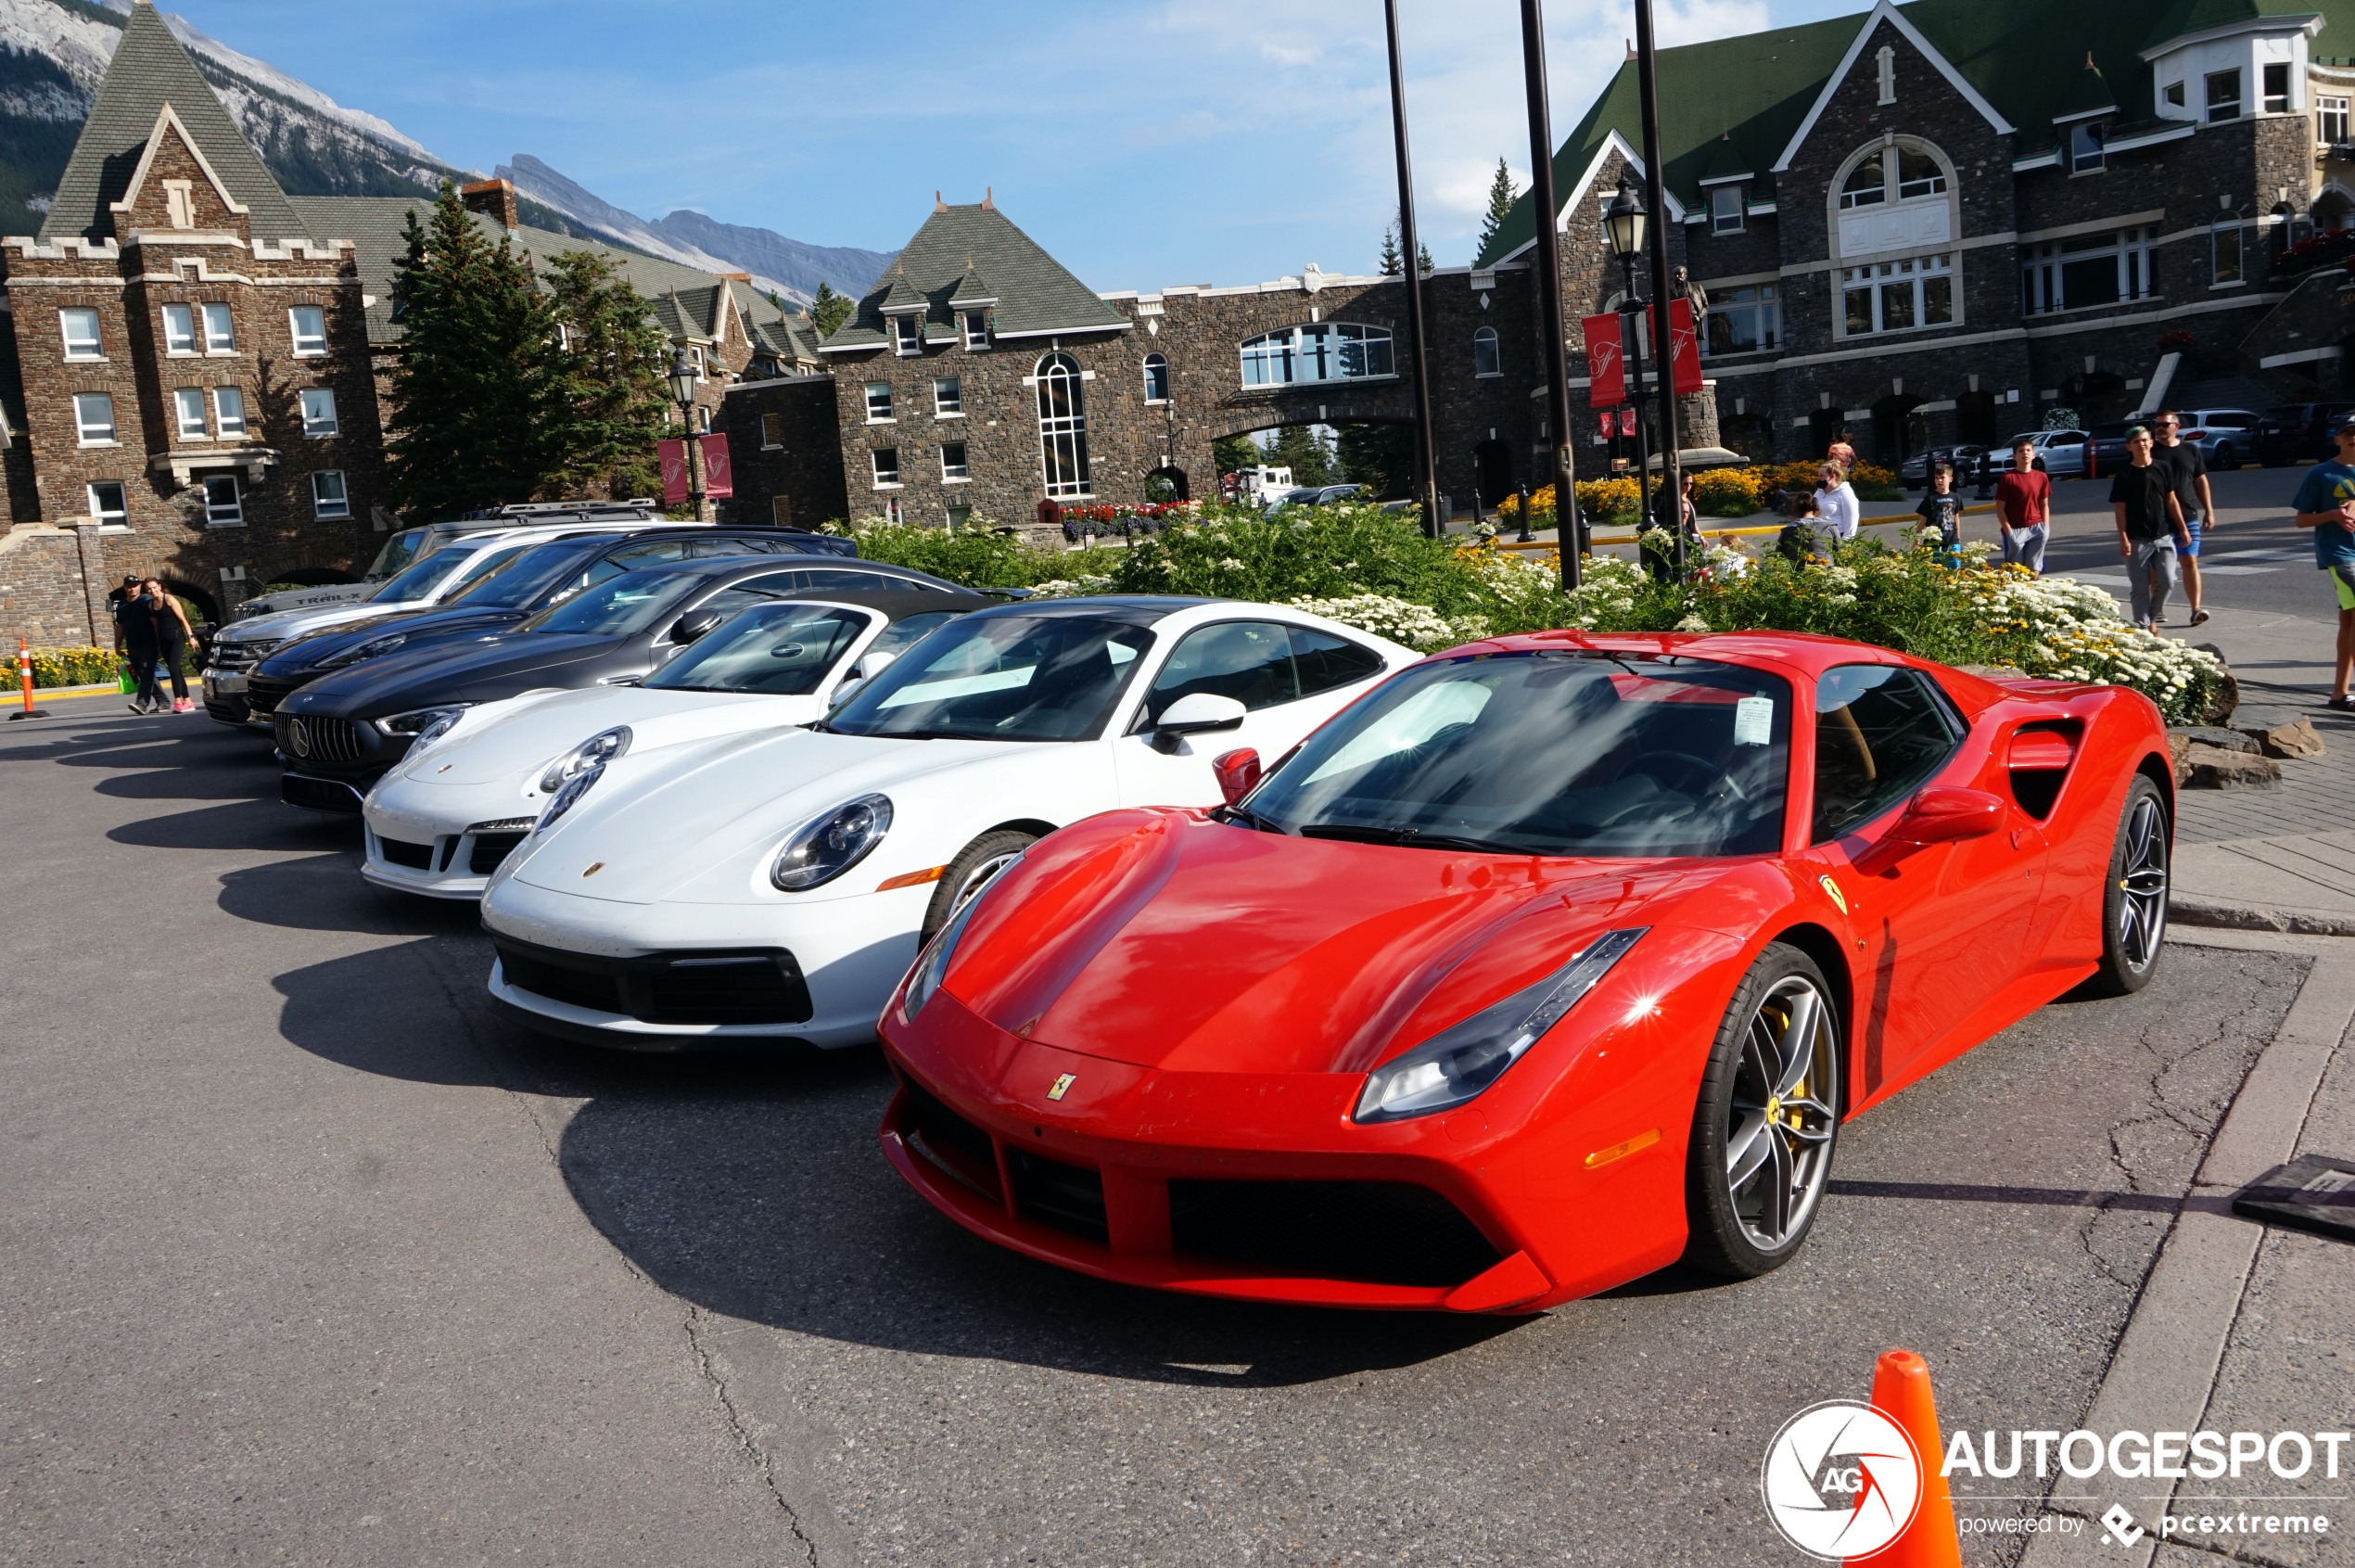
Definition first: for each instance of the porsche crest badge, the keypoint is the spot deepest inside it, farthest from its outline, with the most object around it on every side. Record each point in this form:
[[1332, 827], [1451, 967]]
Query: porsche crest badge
[[1062, 1086]]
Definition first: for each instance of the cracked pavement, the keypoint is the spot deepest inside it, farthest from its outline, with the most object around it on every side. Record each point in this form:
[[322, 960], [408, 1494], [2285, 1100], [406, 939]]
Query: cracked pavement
[[308, 1257]]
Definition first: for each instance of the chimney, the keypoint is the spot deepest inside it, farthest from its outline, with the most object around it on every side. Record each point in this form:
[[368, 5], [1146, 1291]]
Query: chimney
[[494, 198]]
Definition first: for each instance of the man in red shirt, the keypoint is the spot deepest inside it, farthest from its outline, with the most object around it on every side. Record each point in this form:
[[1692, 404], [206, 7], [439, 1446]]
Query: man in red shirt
[[2023, 503]]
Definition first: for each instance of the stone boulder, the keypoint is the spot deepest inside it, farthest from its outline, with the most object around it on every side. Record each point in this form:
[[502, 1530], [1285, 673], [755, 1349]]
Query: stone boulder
[[2214, 735], [2228, 693], [2278, 734], [2210, 766]]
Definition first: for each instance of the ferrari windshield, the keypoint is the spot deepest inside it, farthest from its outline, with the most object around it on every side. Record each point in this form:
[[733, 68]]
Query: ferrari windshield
[[1557, 753], [779, 650], [619, 606], [1002, 678]]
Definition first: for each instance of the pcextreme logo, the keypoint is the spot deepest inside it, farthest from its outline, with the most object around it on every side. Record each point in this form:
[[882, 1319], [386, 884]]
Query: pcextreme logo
[[1842, 1481]]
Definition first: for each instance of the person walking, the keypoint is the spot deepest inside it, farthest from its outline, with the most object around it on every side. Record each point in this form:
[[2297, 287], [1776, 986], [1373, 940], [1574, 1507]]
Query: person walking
[[2150, 527], [2188, 472], [2325, 502], [1941, 511], [1839, 452], [1836, 503], [173, 636], [138, 629], [2023, 508]]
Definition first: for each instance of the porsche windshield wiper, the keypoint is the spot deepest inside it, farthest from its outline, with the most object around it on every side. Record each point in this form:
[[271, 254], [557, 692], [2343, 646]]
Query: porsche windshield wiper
[[1408, 838]]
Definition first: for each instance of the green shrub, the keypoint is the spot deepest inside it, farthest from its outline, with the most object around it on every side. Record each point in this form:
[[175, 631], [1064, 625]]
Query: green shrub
[[977, 556]]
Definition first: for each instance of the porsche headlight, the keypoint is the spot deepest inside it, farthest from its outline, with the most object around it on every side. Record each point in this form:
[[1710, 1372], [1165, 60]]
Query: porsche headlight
[[595, 752], [424, 726], [1461, 1062], [570, 795], [822, 849], [933, 963], [374, 647]]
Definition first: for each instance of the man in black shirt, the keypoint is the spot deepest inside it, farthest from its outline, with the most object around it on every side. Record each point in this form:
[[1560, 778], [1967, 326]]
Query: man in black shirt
[[2150, 526], [2187, 471]]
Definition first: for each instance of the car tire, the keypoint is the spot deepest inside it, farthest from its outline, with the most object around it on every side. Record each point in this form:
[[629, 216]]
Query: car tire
[[2135, 895], [1767, 1120], [2225, 463], [976, 865]]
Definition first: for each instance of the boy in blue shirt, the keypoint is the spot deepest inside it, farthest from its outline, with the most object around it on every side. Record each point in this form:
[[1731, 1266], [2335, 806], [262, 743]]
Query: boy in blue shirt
[[2325, 502]]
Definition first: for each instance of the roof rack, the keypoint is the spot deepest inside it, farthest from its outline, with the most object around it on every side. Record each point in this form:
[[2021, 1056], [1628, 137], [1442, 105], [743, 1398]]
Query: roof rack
[[541, 510]]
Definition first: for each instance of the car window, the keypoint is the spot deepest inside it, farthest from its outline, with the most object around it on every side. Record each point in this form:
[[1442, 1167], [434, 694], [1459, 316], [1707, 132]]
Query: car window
[[847, 579], [911, 629], [777, 650], [621, 606], [531, 579], [1880, 732], [1249, 660], [397, 552], [2230, 421], [728, 544], [2070, 438], [1324, 661], [1012, 678], [486, 564], [630, 557], [417, 582]]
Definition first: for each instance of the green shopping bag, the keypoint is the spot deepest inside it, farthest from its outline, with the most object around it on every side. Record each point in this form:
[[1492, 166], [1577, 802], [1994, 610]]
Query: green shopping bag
[[130, 681]]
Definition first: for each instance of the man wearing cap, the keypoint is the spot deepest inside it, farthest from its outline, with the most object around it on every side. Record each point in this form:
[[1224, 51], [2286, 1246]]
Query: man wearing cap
[[116, 600], [2150, 526], [2023, 500], [2325, 502]]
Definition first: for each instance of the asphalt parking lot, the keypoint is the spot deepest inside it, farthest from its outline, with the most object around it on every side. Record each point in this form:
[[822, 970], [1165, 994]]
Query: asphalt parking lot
[[306, 1257]]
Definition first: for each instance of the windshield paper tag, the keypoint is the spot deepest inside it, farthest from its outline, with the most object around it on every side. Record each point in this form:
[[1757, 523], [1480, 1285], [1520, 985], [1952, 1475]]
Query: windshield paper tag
[[1753, 721]]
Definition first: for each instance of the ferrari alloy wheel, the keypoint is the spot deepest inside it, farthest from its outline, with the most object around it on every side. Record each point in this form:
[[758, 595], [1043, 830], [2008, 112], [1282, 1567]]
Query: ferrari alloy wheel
[[2134, 900], [975, 866], [1766, 1121]]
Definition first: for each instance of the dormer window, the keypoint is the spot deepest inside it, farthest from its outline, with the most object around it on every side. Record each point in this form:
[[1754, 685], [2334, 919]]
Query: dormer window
[[1725, 210], [976, 330], [2277, 89], [2224, 95], [907, 334], [2085, 148], [2173, 94]]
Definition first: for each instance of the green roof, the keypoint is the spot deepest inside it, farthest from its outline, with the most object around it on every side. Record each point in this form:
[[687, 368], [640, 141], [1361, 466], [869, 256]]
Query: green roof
[[151, 69], [1735, 100], [1035, 293]]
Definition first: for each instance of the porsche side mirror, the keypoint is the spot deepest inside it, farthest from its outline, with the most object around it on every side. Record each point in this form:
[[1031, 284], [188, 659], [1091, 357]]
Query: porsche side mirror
[[1237, 772], [693, 624], [1937, 814], [1196, 713]]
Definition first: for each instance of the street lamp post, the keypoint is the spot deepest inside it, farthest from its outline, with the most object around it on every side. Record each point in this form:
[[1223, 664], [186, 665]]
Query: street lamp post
[[1624, 225], [1570, 529], [1672, 499], [1426, 465], [684, 378]]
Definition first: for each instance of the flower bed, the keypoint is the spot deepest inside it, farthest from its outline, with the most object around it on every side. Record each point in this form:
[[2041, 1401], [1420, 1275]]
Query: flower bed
[[1717, 492]]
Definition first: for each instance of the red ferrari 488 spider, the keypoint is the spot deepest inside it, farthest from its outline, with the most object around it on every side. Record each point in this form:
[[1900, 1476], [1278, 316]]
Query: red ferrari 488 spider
[[1550, 960]]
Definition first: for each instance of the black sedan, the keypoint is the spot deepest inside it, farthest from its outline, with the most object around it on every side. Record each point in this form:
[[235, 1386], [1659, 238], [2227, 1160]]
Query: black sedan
[[339, 734], [539, 578]]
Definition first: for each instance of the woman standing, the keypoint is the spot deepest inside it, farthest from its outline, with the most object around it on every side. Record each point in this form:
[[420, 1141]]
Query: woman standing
[[1836, 499], [173, 636]]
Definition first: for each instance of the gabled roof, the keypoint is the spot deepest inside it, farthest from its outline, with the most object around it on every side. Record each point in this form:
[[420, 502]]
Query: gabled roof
[[2023, 59], [151, 69], [1036, 294], [972, 289], [2087, 97]]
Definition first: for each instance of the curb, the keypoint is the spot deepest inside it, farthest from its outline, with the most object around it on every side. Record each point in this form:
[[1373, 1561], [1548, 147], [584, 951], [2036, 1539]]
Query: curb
[[2244, 917]]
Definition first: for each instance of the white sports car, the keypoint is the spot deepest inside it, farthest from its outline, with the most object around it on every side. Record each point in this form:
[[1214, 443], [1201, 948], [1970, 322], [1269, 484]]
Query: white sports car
[[774, 887], [441, 822]]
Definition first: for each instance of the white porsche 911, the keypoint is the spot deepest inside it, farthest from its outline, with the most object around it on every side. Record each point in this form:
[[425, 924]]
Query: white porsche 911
[[774, 887], [441, 822]]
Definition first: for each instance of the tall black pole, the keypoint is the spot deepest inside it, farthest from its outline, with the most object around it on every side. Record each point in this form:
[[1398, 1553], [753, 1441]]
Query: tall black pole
[[1570, 529], [1672, 503], [1426, 467]]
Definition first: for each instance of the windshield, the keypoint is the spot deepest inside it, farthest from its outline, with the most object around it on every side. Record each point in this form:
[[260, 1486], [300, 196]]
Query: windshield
[[1570, 753], [620, 606], [779, 650], [1012, 678], [520, 576], [399, 551], [417, 584], [485, 564]]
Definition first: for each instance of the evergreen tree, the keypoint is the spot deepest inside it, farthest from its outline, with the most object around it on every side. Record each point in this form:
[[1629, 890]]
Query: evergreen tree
[[1393, 264], [1500, 206], [611, 382], [830, 310], [1310, 458], [1381, 457], [1233, 454], [474, 393], [1422, 254]]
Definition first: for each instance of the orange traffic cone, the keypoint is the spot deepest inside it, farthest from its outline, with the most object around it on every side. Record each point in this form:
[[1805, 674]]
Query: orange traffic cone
[[1901, 1391]]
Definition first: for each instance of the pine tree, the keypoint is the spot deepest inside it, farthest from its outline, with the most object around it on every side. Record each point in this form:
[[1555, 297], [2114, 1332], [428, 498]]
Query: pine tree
[[1422, 254], [1393, 264], [1381, 457], [1310, 458], [1233, 454], [1500, 206], [474, 404], [610, 379], [830, 310]]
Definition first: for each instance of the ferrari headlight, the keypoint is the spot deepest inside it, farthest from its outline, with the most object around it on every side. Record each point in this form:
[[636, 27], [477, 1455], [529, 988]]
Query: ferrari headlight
[[374, 647], [424, 726], [1461, 1062], [570, 795], [933, 963], [822, 849], [595, 752]]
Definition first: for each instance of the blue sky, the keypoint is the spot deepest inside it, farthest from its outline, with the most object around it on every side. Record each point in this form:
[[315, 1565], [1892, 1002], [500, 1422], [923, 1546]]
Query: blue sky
[[1144, 142]]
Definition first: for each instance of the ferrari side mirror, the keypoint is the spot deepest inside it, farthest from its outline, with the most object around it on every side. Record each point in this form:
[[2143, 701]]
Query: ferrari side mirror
[[1237, 772], [1196, 713], [1937, 814]]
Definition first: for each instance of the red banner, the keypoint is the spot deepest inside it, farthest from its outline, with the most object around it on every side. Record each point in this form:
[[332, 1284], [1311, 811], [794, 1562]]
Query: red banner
[[673, 453], [1608, 423], [719, 479], [1683, 348], [1606, 368], [1627, 422]]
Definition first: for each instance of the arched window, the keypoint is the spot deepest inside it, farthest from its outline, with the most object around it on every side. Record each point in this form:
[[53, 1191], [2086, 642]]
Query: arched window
[[1320, 351], [1867, 184], [1156, 378], [1062, 427], [1485, 352]]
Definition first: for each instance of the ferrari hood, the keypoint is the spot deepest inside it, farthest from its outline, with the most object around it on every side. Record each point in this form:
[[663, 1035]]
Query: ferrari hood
[[694, 828], [1158, 939], [523, 735]]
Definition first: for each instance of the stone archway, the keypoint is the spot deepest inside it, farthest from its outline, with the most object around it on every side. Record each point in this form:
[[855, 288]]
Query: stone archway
[[204, 602], [314, 576], [1898, 431], [1175, 477]]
